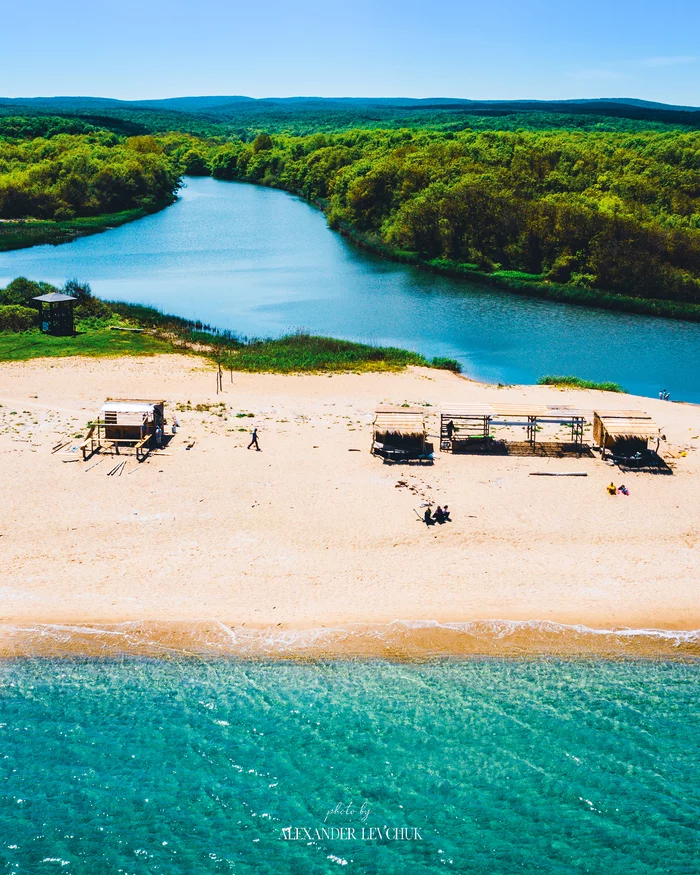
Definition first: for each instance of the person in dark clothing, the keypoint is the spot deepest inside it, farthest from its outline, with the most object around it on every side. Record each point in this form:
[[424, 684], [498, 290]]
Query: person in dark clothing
[[428, 517], [439, 515], [254, 440], [446, 514]]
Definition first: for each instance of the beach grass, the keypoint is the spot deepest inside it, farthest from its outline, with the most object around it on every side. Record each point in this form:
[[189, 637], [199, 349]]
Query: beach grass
[[571, 382], [304, 353]]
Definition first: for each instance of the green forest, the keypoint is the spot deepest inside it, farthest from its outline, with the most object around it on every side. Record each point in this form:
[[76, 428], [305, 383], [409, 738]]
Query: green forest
[[63, 173], [606, 207]]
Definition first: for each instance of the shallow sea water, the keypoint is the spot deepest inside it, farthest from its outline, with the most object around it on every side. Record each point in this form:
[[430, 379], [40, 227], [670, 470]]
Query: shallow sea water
[[145, 766]]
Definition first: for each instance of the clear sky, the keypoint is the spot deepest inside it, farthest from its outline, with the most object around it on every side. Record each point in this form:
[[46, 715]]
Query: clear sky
[[482, 49]]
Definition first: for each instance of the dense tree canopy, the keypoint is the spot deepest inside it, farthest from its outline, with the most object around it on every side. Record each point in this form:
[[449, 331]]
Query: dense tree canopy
[[62, 175]]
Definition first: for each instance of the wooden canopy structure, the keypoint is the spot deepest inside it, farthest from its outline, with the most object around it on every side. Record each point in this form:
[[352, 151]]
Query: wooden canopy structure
[[125, 422], [624, 432], [465, 425], [399, 433], [56, 314]]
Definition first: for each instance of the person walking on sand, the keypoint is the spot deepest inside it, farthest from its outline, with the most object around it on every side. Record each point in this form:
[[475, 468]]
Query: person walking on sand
[[254, 440]]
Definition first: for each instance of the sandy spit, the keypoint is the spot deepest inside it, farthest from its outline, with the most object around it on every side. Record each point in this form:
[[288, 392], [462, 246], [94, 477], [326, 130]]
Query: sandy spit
[[313, 532]]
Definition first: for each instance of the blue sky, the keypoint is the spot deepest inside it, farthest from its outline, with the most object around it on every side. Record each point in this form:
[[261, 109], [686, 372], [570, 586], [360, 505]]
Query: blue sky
[[492, 49]]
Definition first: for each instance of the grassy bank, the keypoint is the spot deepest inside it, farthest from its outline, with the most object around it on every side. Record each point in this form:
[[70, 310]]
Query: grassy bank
[[90, 341], [22, 233], [159, 333], [300, 353], [294, 353]]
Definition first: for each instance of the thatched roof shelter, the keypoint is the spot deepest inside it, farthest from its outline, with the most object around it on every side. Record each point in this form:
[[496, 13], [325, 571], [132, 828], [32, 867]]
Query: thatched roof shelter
[[400, 432], [611, 426], [404, 421]]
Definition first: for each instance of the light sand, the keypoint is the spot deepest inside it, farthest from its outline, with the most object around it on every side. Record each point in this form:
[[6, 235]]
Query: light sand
[[314, 531]]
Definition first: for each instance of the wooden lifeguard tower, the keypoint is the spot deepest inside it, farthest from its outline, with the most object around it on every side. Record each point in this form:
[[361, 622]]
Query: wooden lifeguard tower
[[127, 423], [56, 314]]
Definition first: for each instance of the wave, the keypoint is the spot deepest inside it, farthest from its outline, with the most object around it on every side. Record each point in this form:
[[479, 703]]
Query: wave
[[398, 640]]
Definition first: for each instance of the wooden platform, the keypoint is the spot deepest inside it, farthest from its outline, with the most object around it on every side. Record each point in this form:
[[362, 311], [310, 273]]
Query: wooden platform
[[472, 425]]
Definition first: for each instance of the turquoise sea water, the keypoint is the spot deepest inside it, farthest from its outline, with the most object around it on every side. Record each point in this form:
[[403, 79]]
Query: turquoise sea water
[[141, 766]]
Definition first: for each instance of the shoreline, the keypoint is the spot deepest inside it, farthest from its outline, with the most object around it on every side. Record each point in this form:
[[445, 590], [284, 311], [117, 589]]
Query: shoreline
[[576, 296], [16, 234], [398, 641]]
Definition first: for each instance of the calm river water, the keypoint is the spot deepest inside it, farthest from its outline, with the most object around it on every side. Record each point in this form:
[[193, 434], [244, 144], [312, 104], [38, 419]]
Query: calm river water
[[262, 263]]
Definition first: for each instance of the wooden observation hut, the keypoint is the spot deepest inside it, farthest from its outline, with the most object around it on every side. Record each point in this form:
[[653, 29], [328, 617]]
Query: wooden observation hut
[[56, 314], [124, 422], [399, 434]]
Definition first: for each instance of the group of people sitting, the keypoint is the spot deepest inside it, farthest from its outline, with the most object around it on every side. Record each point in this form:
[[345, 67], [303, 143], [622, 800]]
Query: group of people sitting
[[441, 515], [617, 490]]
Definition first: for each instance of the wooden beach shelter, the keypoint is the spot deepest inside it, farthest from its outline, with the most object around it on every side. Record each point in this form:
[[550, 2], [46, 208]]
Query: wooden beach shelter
[[56, 314], [125, 422], [624, 432], [471, 425], [399, 433]]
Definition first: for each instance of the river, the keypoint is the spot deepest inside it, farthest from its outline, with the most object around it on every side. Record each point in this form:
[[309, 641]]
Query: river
[[262, 263]]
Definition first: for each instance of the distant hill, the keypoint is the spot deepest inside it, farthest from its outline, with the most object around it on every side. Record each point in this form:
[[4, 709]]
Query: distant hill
[[209, 103], [240, 115]]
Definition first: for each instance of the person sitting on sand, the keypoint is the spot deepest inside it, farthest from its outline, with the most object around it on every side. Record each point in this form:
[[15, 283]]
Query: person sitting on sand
[[446, 514], [439, 515], [428, 517], [612, 489], [623, 490]]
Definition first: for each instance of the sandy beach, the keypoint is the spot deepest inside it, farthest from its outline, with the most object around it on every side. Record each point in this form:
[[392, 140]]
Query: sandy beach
[[314, 532]]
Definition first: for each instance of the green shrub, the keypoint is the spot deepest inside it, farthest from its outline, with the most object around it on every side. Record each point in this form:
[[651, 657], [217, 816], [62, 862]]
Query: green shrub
[[447, 364], [15, 318], [578, 383], [21, 291]]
